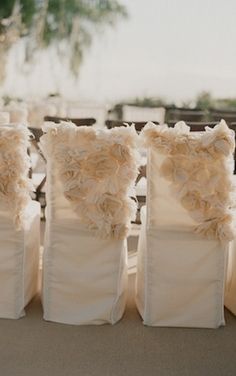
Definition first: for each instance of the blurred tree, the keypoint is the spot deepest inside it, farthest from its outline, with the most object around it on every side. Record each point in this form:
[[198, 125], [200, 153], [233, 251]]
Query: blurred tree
[[148, 102], [225, 104], [117, 110], [67, 24], [204, 101]]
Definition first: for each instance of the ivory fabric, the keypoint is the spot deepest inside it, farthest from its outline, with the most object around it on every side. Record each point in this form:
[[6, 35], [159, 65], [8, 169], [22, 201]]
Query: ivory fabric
[[84, 278], [19, 258], [15, 185], [19, 224], [230, 291], [180, 278], [180, 274], [84, 275]]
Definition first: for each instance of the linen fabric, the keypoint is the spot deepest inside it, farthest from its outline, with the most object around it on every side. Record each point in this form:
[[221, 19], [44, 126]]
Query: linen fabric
[[84, 276], [230, 291], [180, 278], [19, 259], [180, 275]]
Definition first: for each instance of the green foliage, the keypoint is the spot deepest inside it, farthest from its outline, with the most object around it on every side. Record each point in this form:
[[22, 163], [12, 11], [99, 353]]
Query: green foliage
[[67, 24], [148, 102], [204, 101], [117, 110], [225, 104]]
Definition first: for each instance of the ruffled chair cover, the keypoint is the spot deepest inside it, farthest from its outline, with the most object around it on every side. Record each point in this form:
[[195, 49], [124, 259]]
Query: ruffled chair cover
[[19, 224], [187, 228], [89, 179]]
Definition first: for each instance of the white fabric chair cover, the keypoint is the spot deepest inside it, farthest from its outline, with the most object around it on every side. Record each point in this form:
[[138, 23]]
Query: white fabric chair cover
[[19, 226], [230, 291], [84, 275], [180, 274], [135, 113]]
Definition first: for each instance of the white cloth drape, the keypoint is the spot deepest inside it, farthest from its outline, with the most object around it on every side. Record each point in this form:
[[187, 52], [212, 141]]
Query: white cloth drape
[[19, 258], [180, 276], [230, 292], [84, 276]]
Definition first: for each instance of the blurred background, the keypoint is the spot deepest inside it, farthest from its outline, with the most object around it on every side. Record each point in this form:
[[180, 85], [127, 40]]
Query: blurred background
[[90, 58]]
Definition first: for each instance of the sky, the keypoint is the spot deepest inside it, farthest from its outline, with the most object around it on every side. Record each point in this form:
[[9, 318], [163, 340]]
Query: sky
[[172, 49]]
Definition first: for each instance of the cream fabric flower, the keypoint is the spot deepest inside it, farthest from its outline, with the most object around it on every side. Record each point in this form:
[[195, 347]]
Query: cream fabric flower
[[219, 140], [15, 186], [100, 165], [97, 169], [198, 167]]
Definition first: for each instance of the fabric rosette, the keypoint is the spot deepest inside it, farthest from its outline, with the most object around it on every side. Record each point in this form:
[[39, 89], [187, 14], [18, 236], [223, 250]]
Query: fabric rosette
[[15, 185], [199, 169], [97, 169]]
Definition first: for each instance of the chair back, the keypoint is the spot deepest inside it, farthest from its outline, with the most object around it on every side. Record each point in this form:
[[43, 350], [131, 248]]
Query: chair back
[[15, 185], [184, 114], [228, 116], [195, 126], [139, 125], [90, 175], [79, 122], [190, 186], [142, 114]]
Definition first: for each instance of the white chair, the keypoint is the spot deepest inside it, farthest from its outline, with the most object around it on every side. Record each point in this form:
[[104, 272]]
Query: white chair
[[135, 113], [79, 110], [19, 224], [89, 176], [187, 227]]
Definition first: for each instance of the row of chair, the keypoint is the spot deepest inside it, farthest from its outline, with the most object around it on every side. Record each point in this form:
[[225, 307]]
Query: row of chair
[[40, 192], [199, 115], [90, 174], [169, 113], [120, 112]]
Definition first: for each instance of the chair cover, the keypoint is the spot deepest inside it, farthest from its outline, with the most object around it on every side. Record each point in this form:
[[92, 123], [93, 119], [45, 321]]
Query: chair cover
[[230, 291], [186, 230], [135, 113], [89, 174], [19, 225]]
